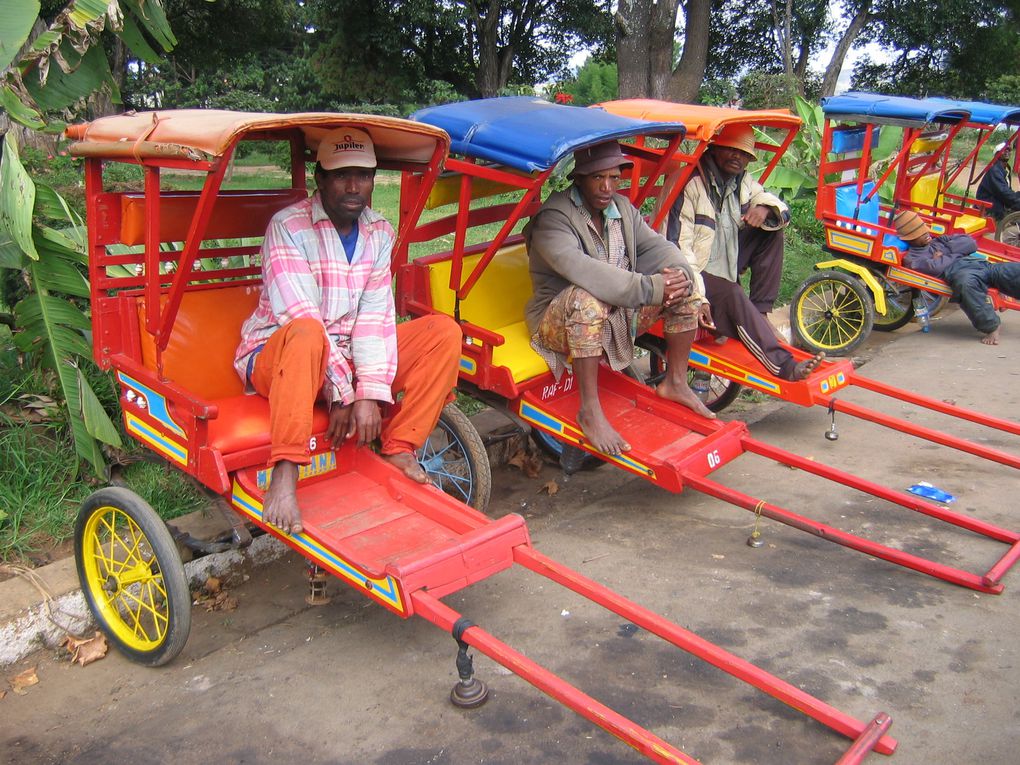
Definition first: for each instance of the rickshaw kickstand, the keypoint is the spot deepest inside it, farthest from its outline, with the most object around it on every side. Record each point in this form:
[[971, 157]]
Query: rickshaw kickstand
[[469, 692], [317, 578], [239, 533]]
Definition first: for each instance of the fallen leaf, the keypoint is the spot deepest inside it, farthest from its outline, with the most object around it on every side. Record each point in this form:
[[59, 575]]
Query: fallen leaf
[[86, 650], [212, 585], [529, 464], [23, 680], [213, 597], [718, 557], [2, 694], [552, 487]]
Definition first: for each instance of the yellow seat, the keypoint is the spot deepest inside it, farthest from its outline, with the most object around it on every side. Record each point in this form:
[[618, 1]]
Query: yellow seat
[[923, 193], [496, 303]]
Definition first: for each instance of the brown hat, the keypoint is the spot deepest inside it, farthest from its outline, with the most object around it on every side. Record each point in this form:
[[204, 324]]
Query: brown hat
[[601, 156], [737, 137], [910, 226], [346, 147]]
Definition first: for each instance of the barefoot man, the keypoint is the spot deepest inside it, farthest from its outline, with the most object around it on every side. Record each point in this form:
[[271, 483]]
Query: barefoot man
[[601, 276], [325, 329], [952, 257], [728, 223]]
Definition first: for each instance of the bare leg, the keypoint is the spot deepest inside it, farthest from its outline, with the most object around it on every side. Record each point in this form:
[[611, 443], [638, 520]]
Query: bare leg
[[674, 387], [992, 338], [806, 367], [280, 507], [590, 416], [407, 463]]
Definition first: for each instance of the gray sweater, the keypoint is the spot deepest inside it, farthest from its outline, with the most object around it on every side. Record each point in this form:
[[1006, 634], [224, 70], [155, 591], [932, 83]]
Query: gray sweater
[[562, 253]]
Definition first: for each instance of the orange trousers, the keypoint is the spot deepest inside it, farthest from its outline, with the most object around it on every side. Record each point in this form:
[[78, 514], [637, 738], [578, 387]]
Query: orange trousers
[[291, 369]]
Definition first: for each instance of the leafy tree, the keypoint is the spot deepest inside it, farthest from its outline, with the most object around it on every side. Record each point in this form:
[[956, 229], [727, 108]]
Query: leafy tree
[[946, 47], [595, 82], [40, 238]]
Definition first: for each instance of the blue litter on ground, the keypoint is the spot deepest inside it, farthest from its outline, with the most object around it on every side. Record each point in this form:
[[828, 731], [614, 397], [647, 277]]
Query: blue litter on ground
[[926, 490]]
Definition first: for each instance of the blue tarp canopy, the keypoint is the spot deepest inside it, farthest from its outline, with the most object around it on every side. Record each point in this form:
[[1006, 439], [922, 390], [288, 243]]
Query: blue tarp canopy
[[531, 134], [980, 112], [893, 110]]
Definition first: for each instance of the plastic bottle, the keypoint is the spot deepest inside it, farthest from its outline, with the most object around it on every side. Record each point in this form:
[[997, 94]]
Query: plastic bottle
[[700, 384], [921, 312]]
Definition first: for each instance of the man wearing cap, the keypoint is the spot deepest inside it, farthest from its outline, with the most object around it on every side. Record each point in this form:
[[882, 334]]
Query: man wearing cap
[[952, 257], [995, 187], [325, 329], [728, 223], [601, 276]]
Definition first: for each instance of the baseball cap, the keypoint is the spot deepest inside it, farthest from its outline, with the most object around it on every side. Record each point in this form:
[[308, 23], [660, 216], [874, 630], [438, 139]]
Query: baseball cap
[[346, 147]]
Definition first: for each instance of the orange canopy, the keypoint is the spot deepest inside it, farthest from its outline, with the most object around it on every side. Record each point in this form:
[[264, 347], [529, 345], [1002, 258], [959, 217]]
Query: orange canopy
[[199, 134], [703, 122]]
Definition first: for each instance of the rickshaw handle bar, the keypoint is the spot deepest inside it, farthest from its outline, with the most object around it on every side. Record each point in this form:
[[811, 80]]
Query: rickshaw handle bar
[[697, 646], [650, 745], [840, 537], [934, 404]]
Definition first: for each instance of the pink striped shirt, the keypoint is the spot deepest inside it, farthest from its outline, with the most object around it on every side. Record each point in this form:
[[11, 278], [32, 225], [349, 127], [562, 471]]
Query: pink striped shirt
[[305, 274]]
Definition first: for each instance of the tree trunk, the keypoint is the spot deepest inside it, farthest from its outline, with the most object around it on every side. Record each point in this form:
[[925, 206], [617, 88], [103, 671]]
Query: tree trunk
[[487, 34], [645, 30], [847, 39], [690, 71]]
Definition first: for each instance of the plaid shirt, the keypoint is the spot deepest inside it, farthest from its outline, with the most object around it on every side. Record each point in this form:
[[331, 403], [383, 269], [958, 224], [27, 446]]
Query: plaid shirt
[[305, 274]]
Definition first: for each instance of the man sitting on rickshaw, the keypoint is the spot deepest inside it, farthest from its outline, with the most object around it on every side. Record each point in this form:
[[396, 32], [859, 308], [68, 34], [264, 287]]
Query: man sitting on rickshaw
[[951, 257], [601, 276], [728, 223], [325, 329]]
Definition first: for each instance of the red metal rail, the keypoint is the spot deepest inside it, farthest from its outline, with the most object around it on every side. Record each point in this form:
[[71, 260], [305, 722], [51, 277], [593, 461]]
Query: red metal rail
[[867, 737]]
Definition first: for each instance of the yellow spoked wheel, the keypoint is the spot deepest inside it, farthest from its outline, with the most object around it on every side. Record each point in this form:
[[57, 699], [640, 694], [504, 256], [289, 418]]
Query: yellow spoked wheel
[[132, 576], [832, 312]]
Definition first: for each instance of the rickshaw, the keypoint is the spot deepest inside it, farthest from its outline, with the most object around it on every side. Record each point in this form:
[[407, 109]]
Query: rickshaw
[[728, 361], [509, 148], [173, 275], [864, 285]]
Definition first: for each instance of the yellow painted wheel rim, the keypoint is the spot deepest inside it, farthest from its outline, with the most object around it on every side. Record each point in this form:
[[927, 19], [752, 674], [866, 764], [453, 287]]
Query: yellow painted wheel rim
[[125, 580], [831, 314]]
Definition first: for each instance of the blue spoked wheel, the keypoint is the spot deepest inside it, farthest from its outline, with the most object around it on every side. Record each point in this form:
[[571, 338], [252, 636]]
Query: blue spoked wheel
[[455, 459]]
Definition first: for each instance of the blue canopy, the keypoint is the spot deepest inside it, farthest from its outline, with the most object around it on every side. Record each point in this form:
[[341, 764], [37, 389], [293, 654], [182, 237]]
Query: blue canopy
[[531, 134], [980, 112], [871, 107]]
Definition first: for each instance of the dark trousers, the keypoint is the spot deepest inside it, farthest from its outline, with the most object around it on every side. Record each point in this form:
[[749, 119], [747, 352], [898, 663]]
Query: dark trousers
[[736, 316], [971, 278], [762, 252]]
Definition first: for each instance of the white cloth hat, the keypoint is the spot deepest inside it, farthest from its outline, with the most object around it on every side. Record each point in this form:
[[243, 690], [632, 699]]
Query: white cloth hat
[[346, 147]]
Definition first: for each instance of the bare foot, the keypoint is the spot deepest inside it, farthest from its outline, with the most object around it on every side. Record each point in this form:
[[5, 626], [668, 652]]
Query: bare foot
[[407, 463], [992, 338], [600, 433], [680, 392], [279, 506], [806, 367]]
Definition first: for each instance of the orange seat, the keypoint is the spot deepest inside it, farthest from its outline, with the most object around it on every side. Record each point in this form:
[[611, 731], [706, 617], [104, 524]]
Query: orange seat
[[243, 423]]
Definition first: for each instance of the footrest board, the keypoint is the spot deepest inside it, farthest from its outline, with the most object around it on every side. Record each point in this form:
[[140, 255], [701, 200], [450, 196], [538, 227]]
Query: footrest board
[[734, 362], [664, 436], [383, 534]]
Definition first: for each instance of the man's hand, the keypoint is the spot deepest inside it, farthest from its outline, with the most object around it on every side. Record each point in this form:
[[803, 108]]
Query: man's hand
[[366, 421], [756, 216], [339, 424], [677, 286], [705, 316]]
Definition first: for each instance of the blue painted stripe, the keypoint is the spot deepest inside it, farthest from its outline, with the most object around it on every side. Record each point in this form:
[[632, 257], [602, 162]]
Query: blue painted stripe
[[155, 437], [154, 402]]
